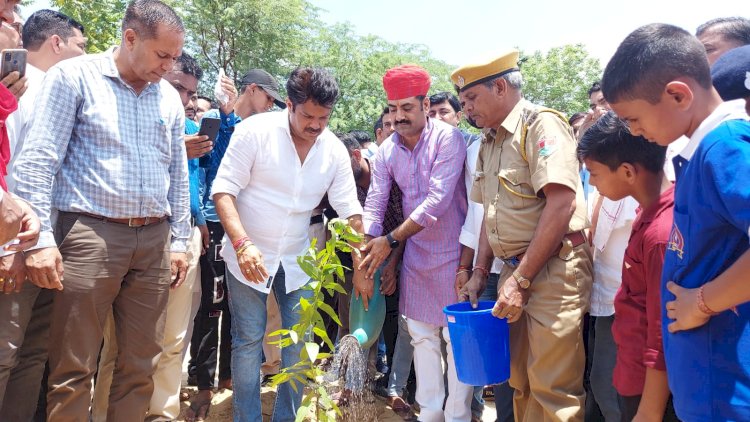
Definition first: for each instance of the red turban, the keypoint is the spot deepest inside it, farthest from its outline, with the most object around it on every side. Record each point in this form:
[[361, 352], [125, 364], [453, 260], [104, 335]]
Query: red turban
[[406, 81]]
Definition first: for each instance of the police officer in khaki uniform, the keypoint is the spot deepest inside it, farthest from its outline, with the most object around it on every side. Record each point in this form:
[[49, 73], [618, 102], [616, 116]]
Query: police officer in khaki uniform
[[527, 179]]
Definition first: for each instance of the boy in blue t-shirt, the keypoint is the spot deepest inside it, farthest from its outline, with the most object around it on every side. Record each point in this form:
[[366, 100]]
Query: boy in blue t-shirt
[[659, 82]]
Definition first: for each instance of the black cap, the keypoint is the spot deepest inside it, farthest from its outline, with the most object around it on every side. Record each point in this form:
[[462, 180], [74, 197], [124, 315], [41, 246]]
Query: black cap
[[731, 74], [264, 80]]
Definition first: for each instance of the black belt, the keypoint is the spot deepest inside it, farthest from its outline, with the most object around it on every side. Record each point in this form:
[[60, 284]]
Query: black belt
[[316, 219]]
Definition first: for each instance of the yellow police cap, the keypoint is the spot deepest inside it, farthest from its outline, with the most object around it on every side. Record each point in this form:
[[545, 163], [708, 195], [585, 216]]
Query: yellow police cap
[[475, 73]]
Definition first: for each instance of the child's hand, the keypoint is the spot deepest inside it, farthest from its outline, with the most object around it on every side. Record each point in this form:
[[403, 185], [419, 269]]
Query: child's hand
[[684, 309]]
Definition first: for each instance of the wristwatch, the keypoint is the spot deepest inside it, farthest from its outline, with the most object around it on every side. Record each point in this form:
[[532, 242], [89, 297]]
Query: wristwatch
[[391, 241], [522, 281]]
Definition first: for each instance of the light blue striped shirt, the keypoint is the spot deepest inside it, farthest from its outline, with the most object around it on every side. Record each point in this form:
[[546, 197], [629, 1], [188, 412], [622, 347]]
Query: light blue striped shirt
[[108, 150]]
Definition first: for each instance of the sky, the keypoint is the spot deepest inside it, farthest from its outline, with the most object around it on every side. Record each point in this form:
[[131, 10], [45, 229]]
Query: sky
[[460, 32]]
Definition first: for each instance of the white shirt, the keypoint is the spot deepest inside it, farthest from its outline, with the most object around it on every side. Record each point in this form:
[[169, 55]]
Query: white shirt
[[19, 121], [472, 227], [729, 110], [611, 238], [276, 193]]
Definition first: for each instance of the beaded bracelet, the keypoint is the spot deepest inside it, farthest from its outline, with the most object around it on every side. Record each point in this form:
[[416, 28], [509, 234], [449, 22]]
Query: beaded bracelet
[[482, 269], [702, 303], [237, 243]]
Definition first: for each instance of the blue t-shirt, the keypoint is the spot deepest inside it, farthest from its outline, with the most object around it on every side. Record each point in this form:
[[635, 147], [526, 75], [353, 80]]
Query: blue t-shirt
[[709, 367], [191, 128]]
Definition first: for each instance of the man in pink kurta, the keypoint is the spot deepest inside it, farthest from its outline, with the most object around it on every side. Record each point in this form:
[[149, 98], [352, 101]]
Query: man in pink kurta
[[424, 157]]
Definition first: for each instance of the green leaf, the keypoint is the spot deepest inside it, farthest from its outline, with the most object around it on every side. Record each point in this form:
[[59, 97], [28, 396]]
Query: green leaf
[[294, 337], [327, 309], [312, 351]]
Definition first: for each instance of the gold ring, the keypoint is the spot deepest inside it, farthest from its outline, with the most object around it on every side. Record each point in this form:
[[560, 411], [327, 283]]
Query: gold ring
[[247, 271], [12, 282]]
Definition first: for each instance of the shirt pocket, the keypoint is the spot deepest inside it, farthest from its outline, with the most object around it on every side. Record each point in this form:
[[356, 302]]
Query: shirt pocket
[[514, 188]]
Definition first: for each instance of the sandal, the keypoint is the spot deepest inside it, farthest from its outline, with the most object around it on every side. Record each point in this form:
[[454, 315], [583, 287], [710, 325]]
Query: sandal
[[199, 407]]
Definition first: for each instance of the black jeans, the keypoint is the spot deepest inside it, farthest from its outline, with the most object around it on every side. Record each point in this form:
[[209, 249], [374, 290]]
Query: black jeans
[[629, 408], [204, 345]]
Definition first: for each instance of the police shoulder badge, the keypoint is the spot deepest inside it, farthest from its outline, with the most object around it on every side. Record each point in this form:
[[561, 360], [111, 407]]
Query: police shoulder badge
[[546, 146]]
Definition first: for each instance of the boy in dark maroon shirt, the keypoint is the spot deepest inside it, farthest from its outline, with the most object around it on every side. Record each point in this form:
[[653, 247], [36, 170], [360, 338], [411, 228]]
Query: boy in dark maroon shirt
[[625, 165]]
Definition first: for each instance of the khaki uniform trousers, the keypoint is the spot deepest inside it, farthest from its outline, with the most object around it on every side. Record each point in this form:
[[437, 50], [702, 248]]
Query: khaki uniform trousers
[[546, 343]]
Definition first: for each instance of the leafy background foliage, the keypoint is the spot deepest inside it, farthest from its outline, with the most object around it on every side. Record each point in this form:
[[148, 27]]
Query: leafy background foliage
[[278, 35]]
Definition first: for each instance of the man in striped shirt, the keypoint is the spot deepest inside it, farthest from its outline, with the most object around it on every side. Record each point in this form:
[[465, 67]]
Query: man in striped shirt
[[109, 133], [425, 158]]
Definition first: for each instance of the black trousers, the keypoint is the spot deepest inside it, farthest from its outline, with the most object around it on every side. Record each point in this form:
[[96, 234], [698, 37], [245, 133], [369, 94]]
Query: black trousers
[[204, 346], [629, 408]]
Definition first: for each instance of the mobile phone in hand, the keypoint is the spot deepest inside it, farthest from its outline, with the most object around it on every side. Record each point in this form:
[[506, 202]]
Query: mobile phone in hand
[[209, 127], [12, 60]]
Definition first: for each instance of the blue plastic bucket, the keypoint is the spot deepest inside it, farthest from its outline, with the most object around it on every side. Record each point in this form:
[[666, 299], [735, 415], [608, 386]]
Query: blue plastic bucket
[[481, 347]]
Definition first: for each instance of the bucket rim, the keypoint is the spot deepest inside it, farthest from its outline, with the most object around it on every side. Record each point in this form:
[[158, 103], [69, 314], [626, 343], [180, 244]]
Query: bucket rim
[[448, 311]]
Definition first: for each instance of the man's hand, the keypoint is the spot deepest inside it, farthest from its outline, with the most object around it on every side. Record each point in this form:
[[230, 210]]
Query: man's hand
[[511, 299], [363, 287], [16, 84], [12, 273], [376, 251], [197, 146], [228, 87], [389, 277], [179, 266], [252, 265], [44, 268], [472, 288], [684, 309], [30, 227], [205, 239]]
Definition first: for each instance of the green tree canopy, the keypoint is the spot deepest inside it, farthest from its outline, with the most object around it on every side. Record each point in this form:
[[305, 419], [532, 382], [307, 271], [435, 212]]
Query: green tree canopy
[[278, 35], [560, 79], [102, 20]]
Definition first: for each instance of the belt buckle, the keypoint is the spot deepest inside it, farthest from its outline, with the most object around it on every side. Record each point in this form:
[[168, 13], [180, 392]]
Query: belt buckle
[[130, 222]]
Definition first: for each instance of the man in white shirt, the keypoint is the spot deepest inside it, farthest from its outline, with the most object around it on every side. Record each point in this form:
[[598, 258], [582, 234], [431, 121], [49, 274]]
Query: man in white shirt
[[274, 173]]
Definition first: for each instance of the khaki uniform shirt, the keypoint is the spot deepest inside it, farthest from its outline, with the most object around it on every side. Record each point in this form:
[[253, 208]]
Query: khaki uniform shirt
[[510, 188]]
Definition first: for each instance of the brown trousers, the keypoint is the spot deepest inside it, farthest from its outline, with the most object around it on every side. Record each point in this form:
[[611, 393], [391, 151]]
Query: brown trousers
[[107, 266], [546, 343]]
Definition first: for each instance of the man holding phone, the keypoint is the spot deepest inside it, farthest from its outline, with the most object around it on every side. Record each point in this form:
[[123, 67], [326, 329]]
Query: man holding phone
[[258, 93]]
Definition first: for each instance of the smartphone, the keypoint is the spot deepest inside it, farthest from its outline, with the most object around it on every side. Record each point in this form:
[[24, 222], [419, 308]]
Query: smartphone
[[209, 127], [12, 60]]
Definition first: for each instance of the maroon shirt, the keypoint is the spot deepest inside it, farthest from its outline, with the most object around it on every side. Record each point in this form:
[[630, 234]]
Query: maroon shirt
[[637, 325]]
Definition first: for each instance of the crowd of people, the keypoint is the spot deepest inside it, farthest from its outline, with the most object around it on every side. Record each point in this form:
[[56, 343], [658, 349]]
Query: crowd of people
[[614, 243]]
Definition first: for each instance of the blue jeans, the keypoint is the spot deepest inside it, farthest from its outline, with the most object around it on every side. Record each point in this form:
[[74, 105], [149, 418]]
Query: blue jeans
[[248, 309], [402, 358]]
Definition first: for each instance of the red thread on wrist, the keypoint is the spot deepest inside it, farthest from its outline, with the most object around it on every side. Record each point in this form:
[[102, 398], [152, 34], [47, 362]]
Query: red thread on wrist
[[482, 269], [702, 303], [237, 243]]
